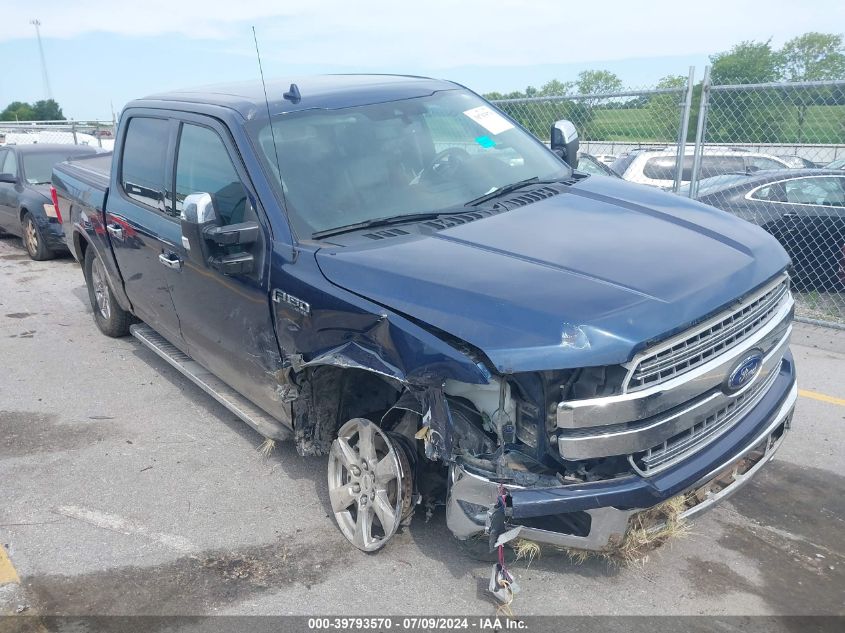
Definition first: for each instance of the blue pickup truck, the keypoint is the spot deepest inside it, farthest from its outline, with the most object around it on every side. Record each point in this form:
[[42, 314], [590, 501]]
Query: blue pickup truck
[[391, 272]]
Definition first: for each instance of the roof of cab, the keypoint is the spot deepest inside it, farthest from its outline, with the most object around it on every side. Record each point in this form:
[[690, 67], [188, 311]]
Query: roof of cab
[[319, 91]]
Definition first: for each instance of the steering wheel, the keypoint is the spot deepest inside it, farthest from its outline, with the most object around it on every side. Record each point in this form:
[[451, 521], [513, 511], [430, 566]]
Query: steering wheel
[[446, 162]]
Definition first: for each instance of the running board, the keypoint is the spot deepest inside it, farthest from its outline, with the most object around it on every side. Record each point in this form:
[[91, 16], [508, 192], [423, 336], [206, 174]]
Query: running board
[[256, 417]]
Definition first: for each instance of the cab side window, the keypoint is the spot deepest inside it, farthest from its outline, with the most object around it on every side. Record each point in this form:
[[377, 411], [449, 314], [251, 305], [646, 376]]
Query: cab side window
[[8, 162], [203, 165], [144, 158]]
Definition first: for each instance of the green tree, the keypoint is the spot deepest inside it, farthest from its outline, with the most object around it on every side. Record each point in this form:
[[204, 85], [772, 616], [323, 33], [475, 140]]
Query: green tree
[[597, 81], [556, 88], [812, 57], [590, 82], [742, 116], [47, 110], [746, 63], [17, 111], [663, 112]]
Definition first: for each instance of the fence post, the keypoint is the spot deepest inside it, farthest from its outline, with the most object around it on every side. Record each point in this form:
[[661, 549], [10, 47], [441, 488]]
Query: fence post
[[682, 131], [699, 133], [73, 131]]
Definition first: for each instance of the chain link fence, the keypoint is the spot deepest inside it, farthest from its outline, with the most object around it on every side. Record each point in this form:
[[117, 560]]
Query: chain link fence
[[772, 154], [610, 124], [93, 133], [803, 207]]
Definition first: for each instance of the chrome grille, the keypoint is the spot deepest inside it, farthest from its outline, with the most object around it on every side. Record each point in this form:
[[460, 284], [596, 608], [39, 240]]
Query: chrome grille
[[675, 448], [709, 340]]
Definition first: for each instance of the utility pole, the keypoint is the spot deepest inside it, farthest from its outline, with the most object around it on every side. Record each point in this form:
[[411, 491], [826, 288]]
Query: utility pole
[[37, 24]]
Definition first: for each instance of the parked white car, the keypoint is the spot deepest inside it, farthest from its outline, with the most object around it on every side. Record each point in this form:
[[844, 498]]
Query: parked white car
[[656, 167]]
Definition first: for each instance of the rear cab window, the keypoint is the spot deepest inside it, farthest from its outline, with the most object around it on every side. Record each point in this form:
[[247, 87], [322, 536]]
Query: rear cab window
[[143, 165]]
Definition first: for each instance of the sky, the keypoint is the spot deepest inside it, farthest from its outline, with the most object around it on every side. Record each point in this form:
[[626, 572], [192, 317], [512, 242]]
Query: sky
[[100, 54]]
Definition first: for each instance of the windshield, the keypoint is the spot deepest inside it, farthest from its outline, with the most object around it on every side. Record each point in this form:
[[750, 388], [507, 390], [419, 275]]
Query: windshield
[[352, 165], [714, 183], [38, 166]]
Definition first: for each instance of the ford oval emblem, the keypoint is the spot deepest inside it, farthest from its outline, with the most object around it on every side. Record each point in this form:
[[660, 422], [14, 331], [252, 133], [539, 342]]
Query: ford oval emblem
[[745, 371]]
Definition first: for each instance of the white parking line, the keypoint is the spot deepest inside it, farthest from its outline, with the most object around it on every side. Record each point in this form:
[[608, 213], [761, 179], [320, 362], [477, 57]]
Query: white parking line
[[124, 526]]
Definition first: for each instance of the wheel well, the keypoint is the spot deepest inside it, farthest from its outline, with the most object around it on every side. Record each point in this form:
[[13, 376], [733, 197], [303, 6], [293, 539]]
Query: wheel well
[[22, 213], [81, 245], [330, 396]]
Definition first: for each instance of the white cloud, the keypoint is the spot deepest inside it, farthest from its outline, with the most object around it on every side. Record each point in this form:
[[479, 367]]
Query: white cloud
[[437, 33]]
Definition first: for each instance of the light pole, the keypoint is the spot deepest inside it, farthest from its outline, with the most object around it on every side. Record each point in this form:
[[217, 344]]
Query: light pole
[[37, 24]]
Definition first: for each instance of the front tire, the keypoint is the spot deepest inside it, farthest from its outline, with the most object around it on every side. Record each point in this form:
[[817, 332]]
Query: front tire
[[112, 320], [33, 241], [369, 479]]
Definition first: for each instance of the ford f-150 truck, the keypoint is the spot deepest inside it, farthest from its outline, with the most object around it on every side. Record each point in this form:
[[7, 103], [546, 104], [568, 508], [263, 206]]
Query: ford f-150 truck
[[390, 271]]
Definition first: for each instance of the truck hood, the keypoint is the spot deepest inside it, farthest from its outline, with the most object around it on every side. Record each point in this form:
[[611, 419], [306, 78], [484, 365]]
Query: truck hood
[[626, 264]]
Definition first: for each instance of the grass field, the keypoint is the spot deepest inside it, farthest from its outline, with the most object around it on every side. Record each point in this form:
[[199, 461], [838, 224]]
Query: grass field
[[822, 124], [635, 124]]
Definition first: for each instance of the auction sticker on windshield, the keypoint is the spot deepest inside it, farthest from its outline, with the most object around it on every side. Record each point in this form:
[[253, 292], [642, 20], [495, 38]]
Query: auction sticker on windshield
[[491, 121]]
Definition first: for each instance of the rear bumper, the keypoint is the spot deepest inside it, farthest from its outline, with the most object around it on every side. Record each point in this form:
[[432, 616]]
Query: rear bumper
[[591, 514], [53, 233]]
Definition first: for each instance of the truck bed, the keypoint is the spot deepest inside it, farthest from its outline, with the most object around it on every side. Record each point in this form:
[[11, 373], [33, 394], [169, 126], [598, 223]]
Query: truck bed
[[91, 170], [82, 188]]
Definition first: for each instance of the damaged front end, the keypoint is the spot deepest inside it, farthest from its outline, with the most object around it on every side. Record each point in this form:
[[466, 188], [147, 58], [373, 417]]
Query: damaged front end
[[567, 456], [503, 444], [694, 416]]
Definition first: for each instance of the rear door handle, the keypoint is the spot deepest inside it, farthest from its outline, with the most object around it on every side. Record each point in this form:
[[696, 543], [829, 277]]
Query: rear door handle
[[115, 230], [171, 260]]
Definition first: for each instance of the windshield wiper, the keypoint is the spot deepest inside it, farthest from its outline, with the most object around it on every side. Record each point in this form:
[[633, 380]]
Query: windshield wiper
[[429, 215], [368, 224], [508, 189]]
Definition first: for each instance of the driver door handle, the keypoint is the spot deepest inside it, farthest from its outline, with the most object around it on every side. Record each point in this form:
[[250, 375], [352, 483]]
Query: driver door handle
[[171, 260], [115, 230]]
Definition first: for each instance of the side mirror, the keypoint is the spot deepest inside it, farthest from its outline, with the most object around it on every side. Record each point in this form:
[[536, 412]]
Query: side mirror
[[231, 234], [197, 215], [10, 178], [565, 141], [234, 264], [205, 241]]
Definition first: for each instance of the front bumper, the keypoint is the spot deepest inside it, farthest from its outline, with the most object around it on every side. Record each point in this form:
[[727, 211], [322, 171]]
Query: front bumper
[[590, 515]]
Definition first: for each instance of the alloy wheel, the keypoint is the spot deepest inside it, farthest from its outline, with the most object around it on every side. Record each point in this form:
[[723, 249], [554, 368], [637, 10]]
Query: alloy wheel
[[101, 289], [366, 490], [30, 236]]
